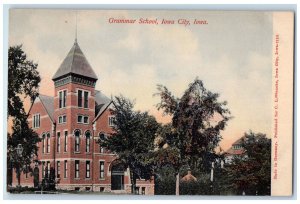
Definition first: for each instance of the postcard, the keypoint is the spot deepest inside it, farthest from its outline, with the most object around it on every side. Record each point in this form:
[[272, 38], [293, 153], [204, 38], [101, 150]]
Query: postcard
[[150, 102]]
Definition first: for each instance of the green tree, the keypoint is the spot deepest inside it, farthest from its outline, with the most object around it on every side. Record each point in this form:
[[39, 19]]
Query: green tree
[[133, 139], [252, 172], [197, 119], [23, 81]]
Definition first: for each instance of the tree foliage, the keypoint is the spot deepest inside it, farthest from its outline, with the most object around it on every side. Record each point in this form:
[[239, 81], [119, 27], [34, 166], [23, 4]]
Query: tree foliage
[[23, 81], [252, 173], [133, 138], [197, 119]]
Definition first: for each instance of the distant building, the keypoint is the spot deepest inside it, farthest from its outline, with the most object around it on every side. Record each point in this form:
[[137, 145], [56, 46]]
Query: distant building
[[236, 150], [69, 124]]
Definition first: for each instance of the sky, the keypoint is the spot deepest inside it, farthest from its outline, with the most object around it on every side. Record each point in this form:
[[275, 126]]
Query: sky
[[231, 54]]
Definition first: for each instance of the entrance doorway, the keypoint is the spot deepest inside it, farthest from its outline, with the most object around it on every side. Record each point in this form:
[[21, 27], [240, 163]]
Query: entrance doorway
[[117, 177]]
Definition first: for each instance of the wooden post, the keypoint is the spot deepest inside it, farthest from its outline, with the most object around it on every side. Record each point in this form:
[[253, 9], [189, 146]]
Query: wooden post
[[177, 184]]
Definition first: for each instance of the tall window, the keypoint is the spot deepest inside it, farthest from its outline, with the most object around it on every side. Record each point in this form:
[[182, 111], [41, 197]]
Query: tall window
[[87, 169], [58, 142], [101, 169], [62, 98], [83, 98], [43, 169], [102, 137], [88, 141], [44, 143], [79, 98], [36, 121], [66, 141], [86, 99], [111, 121], [76, 168], [66, 169], [77, 140], [58, 169], [48, 142], [48, 169]]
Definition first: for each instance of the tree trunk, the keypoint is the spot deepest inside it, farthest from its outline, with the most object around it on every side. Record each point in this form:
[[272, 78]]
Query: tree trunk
[[19, 177], [133, 182], [177, 184]]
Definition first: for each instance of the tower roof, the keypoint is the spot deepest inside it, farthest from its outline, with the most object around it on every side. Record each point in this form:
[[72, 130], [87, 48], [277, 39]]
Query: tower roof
[[75, 63]]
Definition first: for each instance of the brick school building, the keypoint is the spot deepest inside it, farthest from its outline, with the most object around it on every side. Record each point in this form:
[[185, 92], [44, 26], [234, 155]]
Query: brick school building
[[69, 124]]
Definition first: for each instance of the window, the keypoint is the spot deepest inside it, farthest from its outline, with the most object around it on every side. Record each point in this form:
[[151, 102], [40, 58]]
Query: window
[[79, 119], [111, 121], [48, 169], [88, 141], [101, 169], [76, 168], [62, 119], [48, 142], [36, 121], [58, 169], [86, 99], [44, 143], [85, 119], [82, 119], [58, 142], [79, 102], [66, 169], [77, 140], [66, 141], [83, 95], [87, 169], [43, 169], [62, 98], [102, 136]]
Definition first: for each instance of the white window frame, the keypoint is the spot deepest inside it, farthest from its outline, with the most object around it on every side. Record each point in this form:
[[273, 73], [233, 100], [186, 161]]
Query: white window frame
[[82, 119], [36, 121], [77, 168], [88, 169], [62, 119], [63, 102], [111, 120], [58, 146], [58, 169], [66, 169], [101, 170], [83, 98], [48, 143]]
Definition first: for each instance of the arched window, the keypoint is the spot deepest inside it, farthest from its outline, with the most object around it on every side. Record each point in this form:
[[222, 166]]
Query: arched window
[[77, 140], [88, 141], [48, 142], [44, 142], [102, 137]]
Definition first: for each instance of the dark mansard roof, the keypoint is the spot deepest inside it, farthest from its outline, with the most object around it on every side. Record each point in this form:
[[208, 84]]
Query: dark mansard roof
[[75, 63]]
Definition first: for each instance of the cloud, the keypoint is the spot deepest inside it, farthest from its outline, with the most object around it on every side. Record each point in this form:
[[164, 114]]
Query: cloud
[[232, 55]]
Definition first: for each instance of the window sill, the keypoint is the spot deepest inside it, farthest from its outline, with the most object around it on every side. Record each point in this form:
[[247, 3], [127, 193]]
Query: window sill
[[76, 152]]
